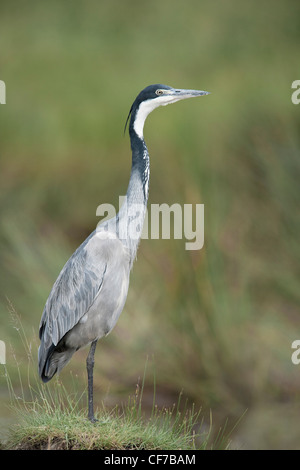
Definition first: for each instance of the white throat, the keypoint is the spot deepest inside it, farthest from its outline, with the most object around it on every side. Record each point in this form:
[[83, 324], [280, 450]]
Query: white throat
[[145, 108]]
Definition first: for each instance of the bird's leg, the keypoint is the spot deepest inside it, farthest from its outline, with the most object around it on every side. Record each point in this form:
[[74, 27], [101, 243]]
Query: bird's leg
[[90, 368]]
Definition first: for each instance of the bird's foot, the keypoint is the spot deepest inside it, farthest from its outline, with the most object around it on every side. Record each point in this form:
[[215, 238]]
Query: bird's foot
[[92, 419], [101, 421]]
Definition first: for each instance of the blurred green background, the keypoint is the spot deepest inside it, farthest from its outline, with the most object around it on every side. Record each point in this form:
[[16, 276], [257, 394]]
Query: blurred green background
[[217, 323]]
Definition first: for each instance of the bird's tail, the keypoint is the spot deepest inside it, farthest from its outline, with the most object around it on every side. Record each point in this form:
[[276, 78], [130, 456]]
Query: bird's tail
[[53, 360]]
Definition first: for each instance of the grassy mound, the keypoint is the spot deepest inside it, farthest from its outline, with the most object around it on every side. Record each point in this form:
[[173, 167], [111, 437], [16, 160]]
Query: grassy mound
[[56, 420], [71, 431], [50, 416]]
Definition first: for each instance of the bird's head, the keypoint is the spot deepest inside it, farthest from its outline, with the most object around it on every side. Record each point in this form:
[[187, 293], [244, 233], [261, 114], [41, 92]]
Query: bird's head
[[152, 97]]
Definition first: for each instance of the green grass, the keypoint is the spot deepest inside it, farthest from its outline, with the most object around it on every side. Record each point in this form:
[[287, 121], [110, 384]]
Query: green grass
[[51, 425], [52, 417]]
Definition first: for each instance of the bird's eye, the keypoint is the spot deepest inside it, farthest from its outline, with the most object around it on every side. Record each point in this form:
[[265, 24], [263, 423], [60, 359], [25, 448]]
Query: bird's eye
[[159, 92]]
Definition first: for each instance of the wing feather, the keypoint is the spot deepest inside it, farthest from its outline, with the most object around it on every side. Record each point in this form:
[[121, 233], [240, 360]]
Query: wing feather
[[73, 293]]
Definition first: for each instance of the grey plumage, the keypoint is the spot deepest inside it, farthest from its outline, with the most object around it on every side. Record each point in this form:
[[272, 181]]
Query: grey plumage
[[90, 292], [99, 265]]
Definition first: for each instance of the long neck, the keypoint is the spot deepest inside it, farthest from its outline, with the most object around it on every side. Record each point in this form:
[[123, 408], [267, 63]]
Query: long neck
[[132, 213]]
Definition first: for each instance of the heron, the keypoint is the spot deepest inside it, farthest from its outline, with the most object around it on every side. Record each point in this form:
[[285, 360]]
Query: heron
[[89, 294]]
